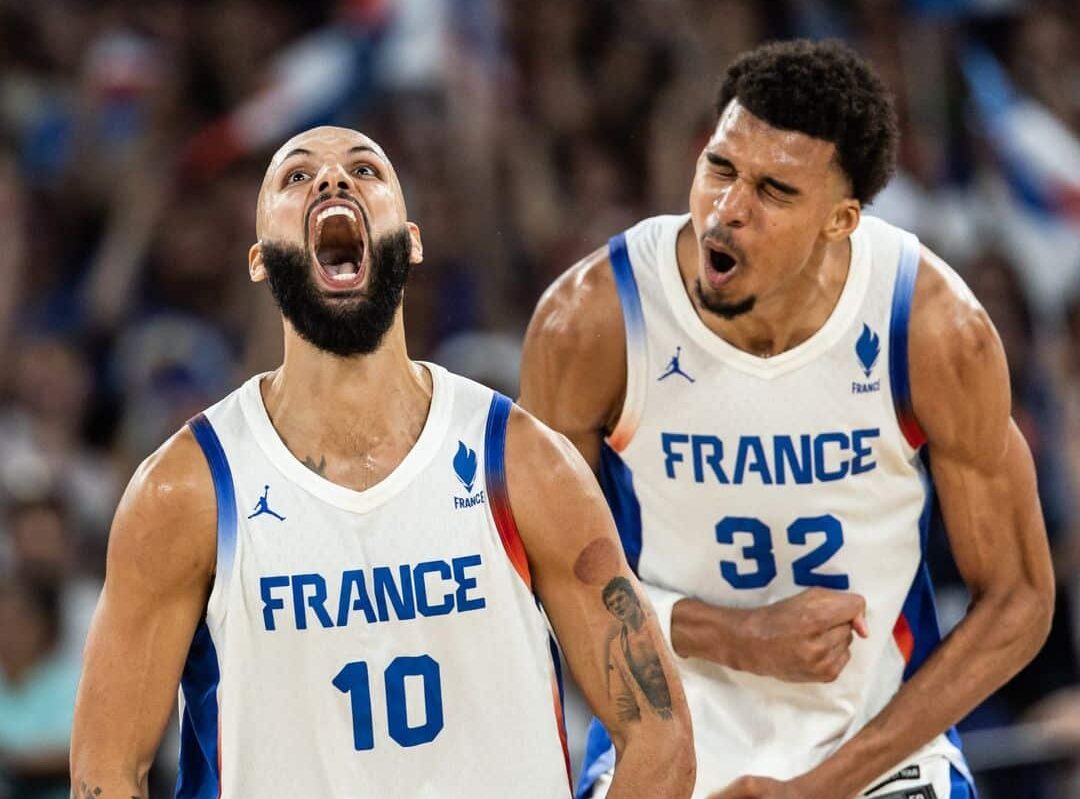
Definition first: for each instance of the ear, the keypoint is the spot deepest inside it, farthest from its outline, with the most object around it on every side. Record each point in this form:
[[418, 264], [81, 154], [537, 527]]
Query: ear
[[416, 254], [256, 267], [843, 219]]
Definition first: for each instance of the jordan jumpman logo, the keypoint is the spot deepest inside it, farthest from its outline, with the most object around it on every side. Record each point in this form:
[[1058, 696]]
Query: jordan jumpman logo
[[261, 507], [673, 367]]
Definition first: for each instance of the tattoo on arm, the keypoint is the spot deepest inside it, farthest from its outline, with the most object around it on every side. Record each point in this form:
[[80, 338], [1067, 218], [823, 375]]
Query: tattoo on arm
[[85, 791], [632, 654], [319, 468]]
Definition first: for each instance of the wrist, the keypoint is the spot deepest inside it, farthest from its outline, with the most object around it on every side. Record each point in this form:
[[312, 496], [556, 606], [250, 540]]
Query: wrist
[[712, 633]]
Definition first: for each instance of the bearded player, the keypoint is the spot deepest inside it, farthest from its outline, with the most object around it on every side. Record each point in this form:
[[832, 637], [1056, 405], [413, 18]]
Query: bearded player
[[772, 389], [342, 564]]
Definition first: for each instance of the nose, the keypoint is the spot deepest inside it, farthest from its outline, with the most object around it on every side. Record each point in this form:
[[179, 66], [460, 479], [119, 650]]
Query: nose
[[732, 204], [333, 175]]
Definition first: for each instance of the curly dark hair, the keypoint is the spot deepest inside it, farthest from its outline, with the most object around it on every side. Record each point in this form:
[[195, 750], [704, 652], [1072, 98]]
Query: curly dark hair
[[825, 90]]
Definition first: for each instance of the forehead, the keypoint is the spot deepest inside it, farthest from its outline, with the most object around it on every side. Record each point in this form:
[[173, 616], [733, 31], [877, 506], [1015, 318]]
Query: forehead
[[326, 143], [752, 143]]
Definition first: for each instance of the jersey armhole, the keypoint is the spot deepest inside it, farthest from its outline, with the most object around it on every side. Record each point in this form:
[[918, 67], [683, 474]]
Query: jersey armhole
[[900, 317], [634, 324], [498, 494], [224, 495]]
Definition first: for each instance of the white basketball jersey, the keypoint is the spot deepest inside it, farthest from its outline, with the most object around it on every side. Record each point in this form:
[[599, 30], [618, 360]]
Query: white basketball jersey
[[377, 643], [742, 481]]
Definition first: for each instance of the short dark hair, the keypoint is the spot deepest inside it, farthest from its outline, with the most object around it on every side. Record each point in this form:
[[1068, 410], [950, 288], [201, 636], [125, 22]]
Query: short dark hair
[[618, 584], [825, 90]]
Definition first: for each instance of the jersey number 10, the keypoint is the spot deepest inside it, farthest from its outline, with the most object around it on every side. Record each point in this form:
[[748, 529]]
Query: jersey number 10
[[354, 681], [760, 551]]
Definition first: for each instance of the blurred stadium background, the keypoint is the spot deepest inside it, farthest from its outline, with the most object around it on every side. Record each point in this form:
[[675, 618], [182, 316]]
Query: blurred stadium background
[[133, 135]]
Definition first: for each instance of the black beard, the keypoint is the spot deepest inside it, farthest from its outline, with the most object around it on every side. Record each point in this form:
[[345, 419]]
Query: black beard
[[725, 310], [346, 323]]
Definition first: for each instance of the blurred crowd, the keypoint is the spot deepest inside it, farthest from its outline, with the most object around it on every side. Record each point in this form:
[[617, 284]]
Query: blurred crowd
[[134, 134]]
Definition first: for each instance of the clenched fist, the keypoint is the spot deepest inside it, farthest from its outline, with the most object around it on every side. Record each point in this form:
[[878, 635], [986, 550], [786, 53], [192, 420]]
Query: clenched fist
[[805, 638]]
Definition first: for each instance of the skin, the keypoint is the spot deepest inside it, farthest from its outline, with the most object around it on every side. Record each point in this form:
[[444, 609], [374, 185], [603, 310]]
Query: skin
[[795, 252], [162, 548]]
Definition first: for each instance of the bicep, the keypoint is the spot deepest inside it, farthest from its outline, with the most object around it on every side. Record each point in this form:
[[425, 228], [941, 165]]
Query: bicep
[[573, 364], [160, 563], [992, 516], [982, 468], [601, 615]]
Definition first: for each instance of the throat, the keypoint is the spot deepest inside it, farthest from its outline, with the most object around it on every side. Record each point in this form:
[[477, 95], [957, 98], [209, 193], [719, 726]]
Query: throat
[[353, 433]]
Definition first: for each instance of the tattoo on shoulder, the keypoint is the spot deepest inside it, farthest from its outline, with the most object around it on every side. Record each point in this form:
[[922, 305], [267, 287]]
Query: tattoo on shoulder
[[633, 658], [319, 468]]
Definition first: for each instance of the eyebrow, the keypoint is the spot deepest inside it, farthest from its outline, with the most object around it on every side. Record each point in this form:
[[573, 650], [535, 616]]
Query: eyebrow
[[362, 148], [779, 185], [297, 151]]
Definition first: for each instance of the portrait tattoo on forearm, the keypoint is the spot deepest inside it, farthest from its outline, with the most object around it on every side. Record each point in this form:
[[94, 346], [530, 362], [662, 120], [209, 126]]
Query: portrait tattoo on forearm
[[632, 654]]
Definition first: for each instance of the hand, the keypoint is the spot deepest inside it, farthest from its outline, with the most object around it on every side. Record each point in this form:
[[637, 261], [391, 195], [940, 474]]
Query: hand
[[804, 638], [759, 788]]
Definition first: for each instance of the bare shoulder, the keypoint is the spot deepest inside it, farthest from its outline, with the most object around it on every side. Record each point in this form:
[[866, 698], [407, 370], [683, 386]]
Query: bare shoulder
[[556, 501], [167, 519], [579, 313], [547, 455], [574, 360], [959, 376]]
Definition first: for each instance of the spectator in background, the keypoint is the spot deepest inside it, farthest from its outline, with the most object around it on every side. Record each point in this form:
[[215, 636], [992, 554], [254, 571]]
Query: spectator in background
[[45, 550], [42, 426], [37, 693]]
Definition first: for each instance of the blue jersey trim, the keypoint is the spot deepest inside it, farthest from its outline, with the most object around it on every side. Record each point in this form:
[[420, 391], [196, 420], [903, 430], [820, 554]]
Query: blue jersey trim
[[900, 316], [959, 787], [199, 777], [617, 481], [626, 285], [919, 608], [599, 758], [224, 493], [498, 492]]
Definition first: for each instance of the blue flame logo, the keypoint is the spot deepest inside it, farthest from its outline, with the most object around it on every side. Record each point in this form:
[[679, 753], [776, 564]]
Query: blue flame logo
[[868, 347], [465, 466]]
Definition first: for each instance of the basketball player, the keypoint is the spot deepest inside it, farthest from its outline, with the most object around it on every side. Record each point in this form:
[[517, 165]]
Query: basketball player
[[337, 562], [756, 384]]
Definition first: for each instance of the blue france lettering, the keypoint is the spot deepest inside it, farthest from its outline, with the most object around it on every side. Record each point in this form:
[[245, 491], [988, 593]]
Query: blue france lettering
[[769, 460], [378, 594]]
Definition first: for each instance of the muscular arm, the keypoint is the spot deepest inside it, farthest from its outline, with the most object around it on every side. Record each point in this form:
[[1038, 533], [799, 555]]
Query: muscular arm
[[985, 480], [573, 378], [616, 655], [162, 550]]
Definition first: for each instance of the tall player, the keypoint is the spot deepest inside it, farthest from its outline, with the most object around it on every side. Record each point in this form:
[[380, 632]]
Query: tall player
[[342, 563], [757, 383]]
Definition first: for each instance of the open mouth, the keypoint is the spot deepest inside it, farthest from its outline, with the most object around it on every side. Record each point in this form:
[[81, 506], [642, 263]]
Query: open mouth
[[720, 265], [337, 244], [721, 261]]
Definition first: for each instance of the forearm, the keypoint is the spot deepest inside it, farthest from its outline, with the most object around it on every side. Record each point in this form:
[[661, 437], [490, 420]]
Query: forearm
[[658, 763], [996, 638], [99, 785], [709, 632]]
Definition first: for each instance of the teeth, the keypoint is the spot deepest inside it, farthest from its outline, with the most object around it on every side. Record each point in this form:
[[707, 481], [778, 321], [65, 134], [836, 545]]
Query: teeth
[[343, 276], [335, 210]]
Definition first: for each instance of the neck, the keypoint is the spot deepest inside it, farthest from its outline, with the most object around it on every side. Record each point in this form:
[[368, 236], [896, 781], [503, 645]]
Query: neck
[[784, 317], [329, 409]]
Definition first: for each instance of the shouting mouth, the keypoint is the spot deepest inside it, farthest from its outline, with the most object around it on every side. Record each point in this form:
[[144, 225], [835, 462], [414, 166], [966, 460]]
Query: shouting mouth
[[720, 264], [338, 245]]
